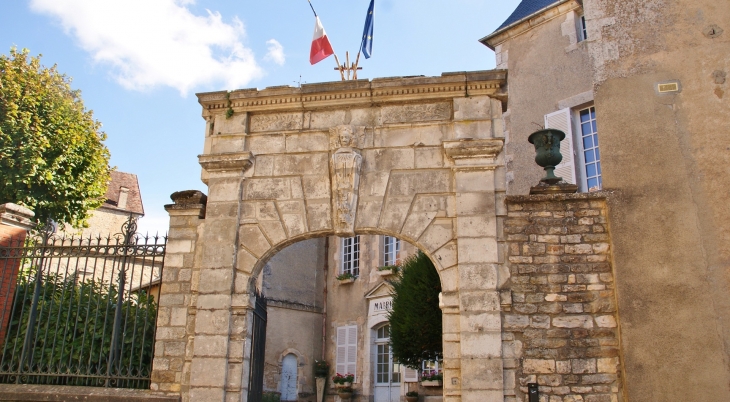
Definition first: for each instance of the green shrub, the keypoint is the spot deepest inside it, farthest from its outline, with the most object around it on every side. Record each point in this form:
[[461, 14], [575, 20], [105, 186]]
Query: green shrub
[[74, 330], [415, 318]]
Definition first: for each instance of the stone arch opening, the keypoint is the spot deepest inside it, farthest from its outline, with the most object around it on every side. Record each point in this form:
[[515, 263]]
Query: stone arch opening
[[293, 278]]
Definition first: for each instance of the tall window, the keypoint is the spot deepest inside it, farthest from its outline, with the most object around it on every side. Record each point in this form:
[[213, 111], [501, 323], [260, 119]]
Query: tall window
[[391, 250], [581, 162], [581, 27], [351, 256], [591, 155], [386, 370]]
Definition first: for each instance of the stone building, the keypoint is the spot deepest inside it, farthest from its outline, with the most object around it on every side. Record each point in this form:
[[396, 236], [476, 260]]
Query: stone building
[[311, 311], [122, 199], [639, 87], [615, 293]]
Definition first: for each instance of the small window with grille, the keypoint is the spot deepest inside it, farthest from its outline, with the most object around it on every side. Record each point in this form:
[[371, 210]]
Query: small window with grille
[[351, 256]]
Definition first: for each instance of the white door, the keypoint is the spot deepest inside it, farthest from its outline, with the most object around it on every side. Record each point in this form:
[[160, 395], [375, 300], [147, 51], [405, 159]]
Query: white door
[[387, 374], [288, 384]]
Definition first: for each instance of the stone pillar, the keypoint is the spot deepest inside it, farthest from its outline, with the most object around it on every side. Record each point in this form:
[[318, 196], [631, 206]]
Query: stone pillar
[[217, 361], [15, 222], [479, 335], [176, 316]]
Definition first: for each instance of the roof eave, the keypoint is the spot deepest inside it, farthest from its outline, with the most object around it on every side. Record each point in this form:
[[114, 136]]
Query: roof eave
[[485, 40]]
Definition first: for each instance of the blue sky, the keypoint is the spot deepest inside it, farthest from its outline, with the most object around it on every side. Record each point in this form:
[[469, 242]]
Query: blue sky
[[139, 63]]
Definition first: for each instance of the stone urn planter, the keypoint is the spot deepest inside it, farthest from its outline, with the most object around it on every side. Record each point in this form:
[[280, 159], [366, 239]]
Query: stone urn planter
[[343, 385], [547, 145], [411, 398], [345, 394], [386, 272]]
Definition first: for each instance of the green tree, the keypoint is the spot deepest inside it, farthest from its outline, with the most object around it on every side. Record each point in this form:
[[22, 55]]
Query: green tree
[[415, 318], [52, 156]]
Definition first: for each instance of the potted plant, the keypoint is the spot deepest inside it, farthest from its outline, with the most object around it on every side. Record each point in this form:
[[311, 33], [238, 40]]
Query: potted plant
[[411, 396], [346, 278], [345, 393], [432, 378], [388, 270], [343, 381], [321, 369]]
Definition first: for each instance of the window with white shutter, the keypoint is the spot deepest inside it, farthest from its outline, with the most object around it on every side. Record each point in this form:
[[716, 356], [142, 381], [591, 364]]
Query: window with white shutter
[[346, 350], [561, 120]]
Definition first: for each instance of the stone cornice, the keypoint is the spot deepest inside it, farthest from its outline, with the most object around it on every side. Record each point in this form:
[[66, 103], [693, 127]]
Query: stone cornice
[[16, 215], [467, 149], [226, 161], [361, 93]]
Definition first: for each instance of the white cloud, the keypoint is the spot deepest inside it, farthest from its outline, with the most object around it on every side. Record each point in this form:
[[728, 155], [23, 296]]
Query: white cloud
[[152, 43], [276, 52]]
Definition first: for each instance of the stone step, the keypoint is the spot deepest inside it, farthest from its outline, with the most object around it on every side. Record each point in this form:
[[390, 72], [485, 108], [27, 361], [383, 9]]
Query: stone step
[[62, 393]]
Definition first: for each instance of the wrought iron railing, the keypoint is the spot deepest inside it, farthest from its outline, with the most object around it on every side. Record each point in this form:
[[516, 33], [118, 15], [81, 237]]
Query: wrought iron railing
[[79, 310]]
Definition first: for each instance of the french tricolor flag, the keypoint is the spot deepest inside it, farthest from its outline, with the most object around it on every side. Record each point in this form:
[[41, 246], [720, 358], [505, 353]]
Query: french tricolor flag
[[321, 47]]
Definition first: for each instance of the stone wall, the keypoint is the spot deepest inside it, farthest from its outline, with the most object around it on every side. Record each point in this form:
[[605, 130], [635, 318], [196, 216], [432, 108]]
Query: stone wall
[[559, 309]]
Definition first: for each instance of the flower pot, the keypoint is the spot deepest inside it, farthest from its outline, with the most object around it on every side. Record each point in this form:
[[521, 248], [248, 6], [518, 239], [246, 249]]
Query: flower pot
[[432, 383], [345, 396], [385, 272], [344, 385], [346, 281], [411, 399]]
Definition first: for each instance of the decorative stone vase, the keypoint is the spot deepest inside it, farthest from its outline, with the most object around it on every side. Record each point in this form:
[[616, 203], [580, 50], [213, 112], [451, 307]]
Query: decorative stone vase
[[547, 145], [344, 395]]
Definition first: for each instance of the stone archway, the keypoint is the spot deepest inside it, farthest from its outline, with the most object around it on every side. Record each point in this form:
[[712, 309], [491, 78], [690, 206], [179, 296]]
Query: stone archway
[[416, 158]]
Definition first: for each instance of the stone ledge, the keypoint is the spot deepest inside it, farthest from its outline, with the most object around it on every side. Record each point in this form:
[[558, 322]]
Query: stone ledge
[[598, 195], [60, 393]]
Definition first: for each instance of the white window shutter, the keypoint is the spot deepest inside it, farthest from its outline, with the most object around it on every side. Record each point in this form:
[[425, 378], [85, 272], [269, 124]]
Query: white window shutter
[[410, 375], [341, 365], [351, 363], [561, 120]]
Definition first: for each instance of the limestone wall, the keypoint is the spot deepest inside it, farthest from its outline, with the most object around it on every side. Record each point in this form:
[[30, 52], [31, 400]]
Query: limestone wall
[[559, 310], [665, 155]]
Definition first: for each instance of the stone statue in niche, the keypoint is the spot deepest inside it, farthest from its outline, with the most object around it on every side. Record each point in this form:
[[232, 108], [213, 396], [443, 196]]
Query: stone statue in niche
[[345, 170]]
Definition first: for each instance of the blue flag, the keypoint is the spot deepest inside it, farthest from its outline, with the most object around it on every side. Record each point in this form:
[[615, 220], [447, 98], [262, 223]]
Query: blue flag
[[367, 34]]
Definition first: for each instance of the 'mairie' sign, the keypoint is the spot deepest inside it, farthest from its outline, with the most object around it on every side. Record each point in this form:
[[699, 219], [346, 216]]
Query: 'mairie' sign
[[381, 306]]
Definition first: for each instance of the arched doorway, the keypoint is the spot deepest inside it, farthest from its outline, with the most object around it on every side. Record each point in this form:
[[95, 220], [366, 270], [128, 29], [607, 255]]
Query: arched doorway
[[289, 375]]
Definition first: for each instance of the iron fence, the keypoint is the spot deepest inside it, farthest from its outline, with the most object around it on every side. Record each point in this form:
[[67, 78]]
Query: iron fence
[[80, 310]]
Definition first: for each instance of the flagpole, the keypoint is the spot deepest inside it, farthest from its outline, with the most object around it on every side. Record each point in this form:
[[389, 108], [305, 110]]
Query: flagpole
[[310, 5]]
